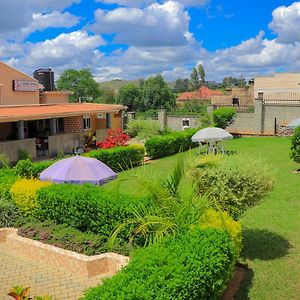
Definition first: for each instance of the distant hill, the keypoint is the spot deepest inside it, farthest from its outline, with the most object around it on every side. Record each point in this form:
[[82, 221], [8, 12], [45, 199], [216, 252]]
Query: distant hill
[[116, 84]]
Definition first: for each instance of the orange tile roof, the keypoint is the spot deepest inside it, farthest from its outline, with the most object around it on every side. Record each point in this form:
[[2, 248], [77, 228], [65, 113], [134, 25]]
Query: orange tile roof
[[34, 112], [202, 93]]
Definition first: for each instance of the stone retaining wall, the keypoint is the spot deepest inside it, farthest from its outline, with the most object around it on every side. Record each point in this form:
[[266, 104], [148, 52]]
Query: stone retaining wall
[[107, 264]]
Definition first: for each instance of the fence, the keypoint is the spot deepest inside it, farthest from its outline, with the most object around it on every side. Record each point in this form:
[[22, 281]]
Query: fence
[[238, 108]]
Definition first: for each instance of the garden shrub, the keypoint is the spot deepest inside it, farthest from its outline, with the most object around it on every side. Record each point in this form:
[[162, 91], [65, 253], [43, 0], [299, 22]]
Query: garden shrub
[[28, 169], [295, 148], [221, 220], [4, 160], [164, 145], [235, 185], [143, 129], [120, 158], [223, 116], [8, 210], [192, 265], [86, 207], [8, 213], [69, 238], [24, 194]]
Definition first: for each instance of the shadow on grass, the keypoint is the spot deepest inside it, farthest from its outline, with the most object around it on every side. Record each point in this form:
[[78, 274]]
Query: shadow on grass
[[263, 245]]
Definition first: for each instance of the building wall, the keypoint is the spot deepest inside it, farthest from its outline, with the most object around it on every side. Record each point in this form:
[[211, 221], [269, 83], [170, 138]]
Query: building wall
[[8, 96], [175, 122], [11, 148], [246, 97], [54, 97], [243, 122], [279, 115], [65, 142], [73, 124], [278, 83]]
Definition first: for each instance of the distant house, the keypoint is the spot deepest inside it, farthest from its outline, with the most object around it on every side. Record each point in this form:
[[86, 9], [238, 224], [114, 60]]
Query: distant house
[[203, 93], [42, 121], [279, 86]]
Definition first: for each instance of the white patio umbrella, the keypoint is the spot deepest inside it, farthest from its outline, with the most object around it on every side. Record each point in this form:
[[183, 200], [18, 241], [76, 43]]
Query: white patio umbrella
[[211, 135], [294, 124]]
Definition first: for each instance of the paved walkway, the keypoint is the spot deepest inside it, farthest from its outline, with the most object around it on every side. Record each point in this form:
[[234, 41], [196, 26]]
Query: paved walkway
[[43, 279]]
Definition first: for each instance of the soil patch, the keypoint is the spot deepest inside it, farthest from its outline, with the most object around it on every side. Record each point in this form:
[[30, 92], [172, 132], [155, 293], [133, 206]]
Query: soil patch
[[235, 282]]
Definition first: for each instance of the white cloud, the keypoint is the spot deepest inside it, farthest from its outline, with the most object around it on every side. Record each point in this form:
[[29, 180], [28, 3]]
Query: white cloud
[[54, 19], [76, 49], [286, 23], [16, 14], [143, 3], [156, 25]]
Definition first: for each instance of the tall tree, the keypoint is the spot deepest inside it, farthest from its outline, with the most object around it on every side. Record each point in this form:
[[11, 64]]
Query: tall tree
[[130, 96], [201, 74], [81, 83], [194, 83], [181, 85], [157, 94]]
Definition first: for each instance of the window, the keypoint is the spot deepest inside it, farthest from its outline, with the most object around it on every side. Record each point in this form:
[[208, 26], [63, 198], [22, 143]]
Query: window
[[86, 123], [108, 120], [185, 123], [235, 101]]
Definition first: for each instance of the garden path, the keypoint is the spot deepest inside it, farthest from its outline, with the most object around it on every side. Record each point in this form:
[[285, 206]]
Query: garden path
[[42, 278]]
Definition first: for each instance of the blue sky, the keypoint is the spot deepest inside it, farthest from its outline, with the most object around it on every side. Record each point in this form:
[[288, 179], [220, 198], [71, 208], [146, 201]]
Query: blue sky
[[132, 39]]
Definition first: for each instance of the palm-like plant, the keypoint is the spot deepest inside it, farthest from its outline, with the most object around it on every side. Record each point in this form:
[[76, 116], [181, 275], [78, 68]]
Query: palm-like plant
[[19, 293], [172, 209]]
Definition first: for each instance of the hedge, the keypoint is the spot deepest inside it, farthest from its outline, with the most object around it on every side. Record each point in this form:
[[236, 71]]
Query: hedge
[[192, 265], [69, 238], [120, 158], [86, 207], [28, 169], [164, 145]]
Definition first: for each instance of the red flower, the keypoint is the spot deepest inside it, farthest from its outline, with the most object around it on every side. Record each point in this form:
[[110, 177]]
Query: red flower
[[114, 138]]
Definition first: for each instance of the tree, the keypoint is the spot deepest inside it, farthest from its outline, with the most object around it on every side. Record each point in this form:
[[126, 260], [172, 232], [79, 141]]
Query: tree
[[194, 80], [201, 74], [107, 95], [229, 82], [130, 96], [81, 83], [156, 94], [295, 148], [181, 85]]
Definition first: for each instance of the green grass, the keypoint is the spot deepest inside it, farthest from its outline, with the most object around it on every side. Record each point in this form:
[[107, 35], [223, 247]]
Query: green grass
[[271, 229]]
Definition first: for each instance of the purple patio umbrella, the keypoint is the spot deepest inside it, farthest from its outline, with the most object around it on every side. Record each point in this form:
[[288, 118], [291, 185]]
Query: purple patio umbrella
[[78, 170]]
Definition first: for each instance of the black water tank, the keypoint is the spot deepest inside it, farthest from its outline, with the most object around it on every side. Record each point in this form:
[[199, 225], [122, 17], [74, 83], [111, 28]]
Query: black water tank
[[46, 78]]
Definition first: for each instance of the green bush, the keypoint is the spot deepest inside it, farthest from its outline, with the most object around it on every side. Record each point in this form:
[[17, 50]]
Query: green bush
[[4, 160], [223, 116], [164, 145], [28, 169], [295, 148], [235, 185], [143, 129], [120, 158], [8, 213], [221, 220], [189, 266], [69, 238], [8, 210], [86, 207]]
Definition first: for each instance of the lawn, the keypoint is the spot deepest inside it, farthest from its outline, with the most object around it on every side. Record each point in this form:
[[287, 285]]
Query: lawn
[[271, 230]]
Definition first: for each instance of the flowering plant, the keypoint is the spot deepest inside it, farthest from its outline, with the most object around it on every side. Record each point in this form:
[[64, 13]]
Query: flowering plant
[[114, 138]]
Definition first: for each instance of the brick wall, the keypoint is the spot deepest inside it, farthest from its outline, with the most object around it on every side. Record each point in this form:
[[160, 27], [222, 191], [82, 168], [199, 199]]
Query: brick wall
[[5, 130], [73, 124]]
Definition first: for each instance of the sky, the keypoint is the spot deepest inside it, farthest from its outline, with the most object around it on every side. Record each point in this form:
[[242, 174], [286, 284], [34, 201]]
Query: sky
[[132, 39]]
